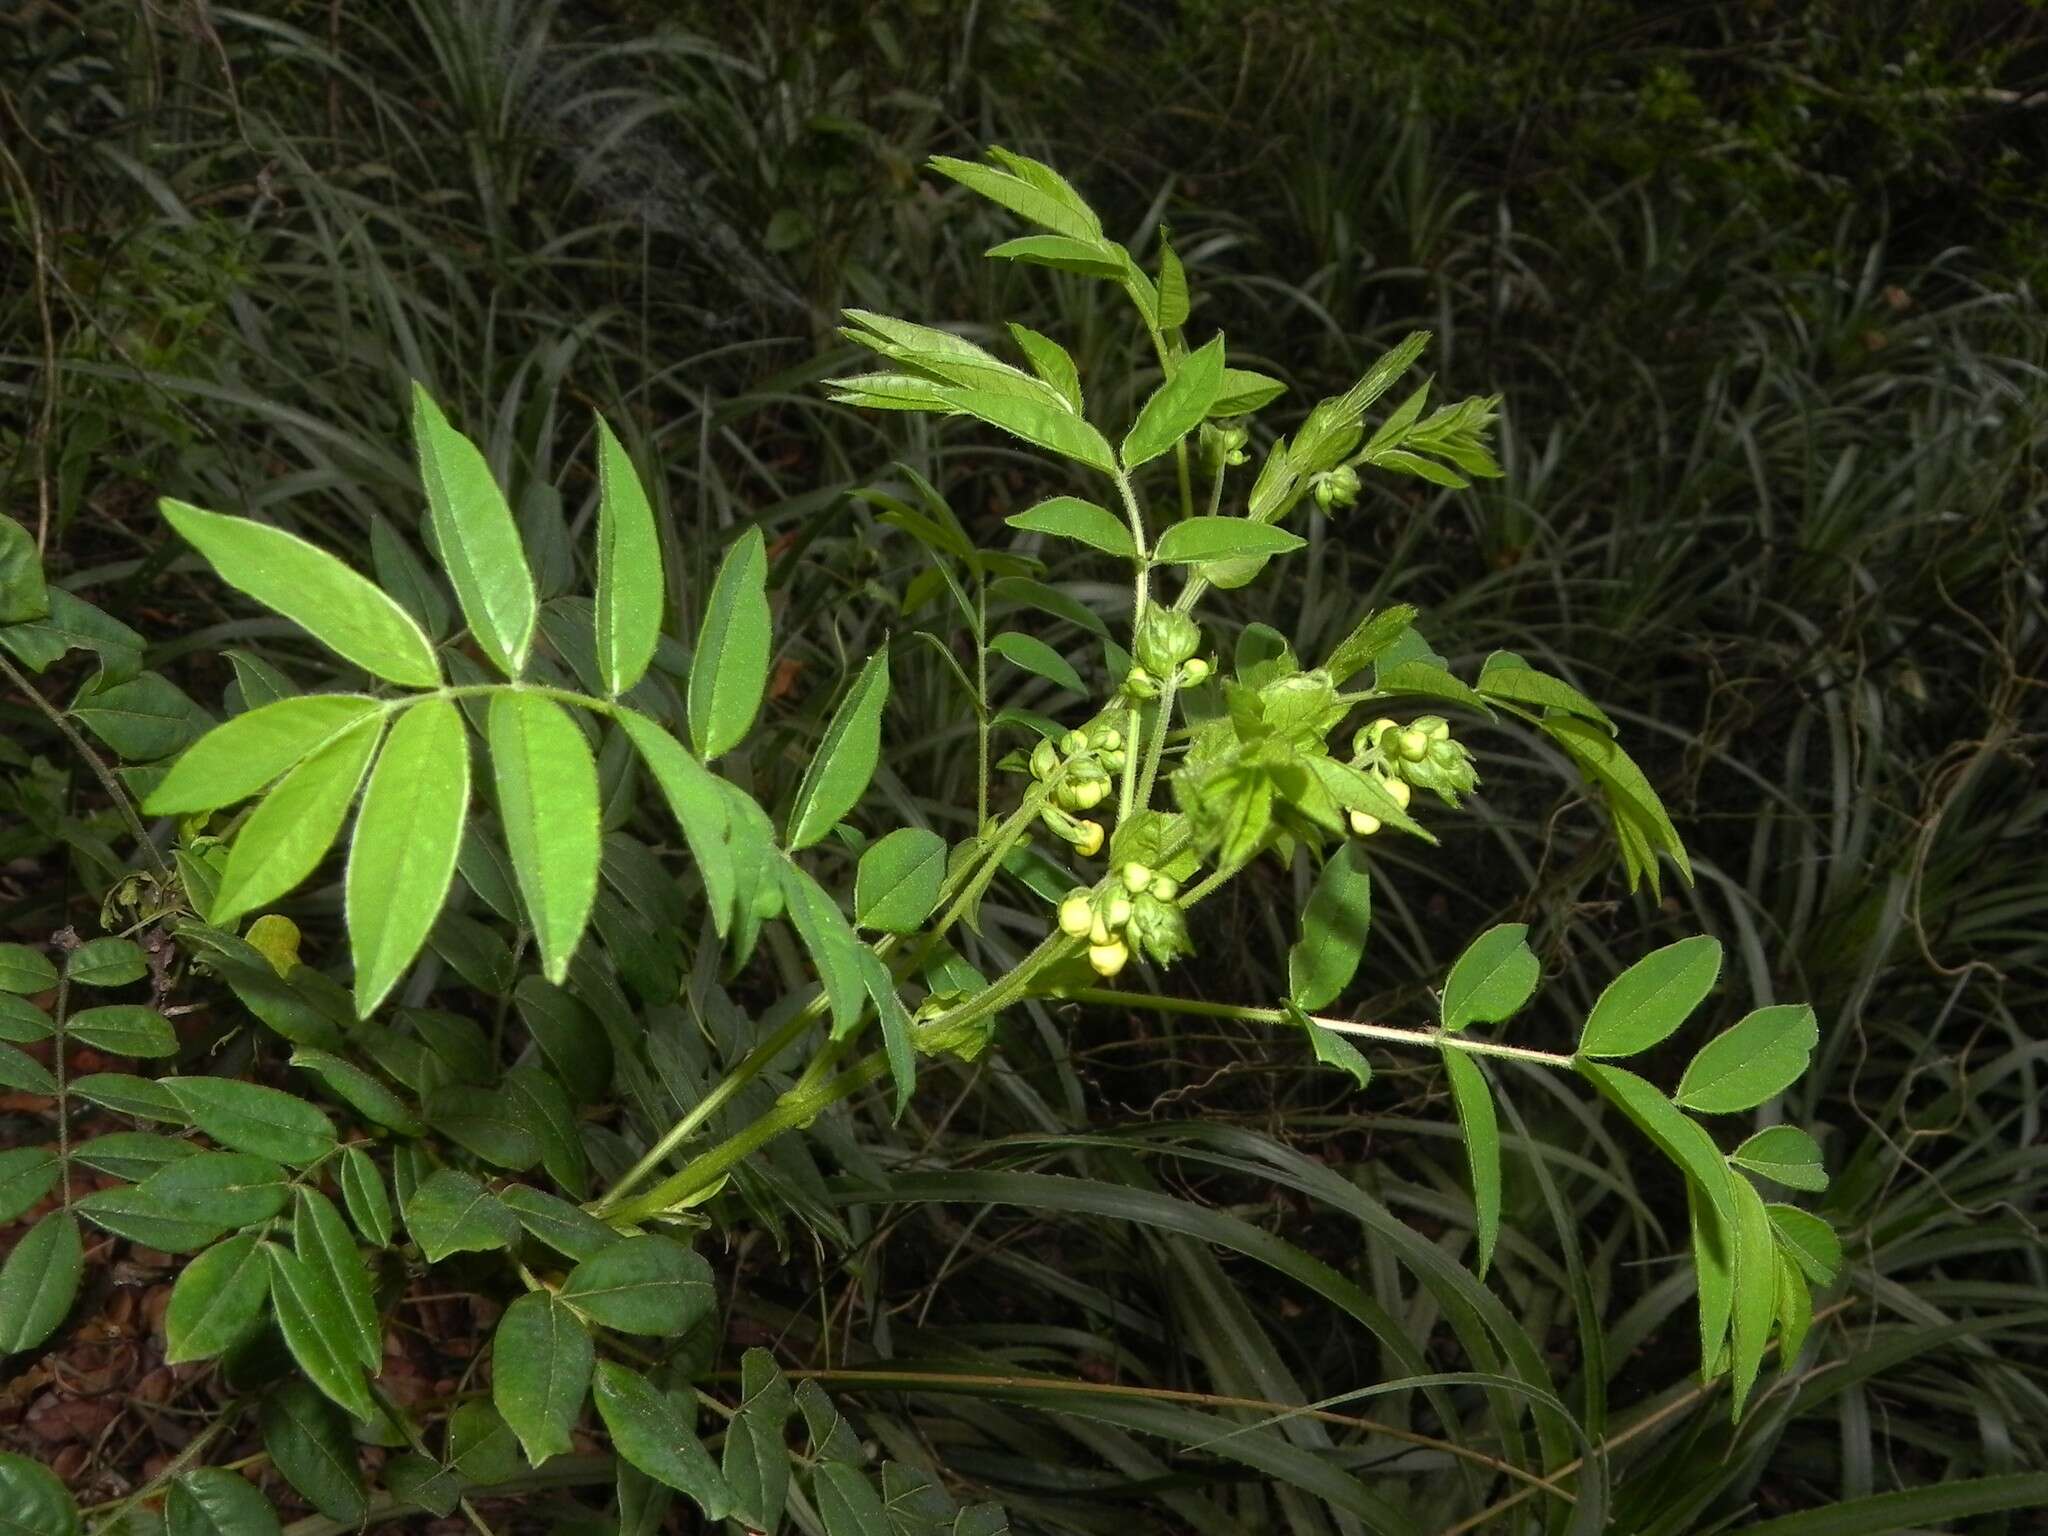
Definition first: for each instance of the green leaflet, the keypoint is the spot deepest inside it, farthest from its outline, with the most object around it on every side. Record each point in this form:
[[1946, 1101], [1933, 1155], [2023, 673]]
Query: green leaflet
[[1173, 286], [487, 1122], [651, 1433], [218, 1298], [833, 945], [251, 1118], [545, 1106], [567, 1228], [1051, 427], [26, 1174], [1506, 676], [1334, 926], [124, 1029], [292, 829], [343, 611], [39, 1281], [317, 1329], [1035, 656], [323, 1241], [1333, 1050], [694, 799], [451, 1212], [22, 1021], [1492, 979], [1200, 539], [1783, 1153], [1756, 1289], [629, 578], [1069, 517], [25, 970], [568, 1036], [363, 1192], [1368, 640], [402, 857], [1753, 1060], [845, 759], [36, 1503], [133, 1155], [20, 1070], [1476, 1117], [236, 759], [107, 962], [540, 1370], [1179, 405], [1026, 187], [476, 539], [212, 1501], [756, 1462], [23, 592], [309, 1443], [729, 672], [1648, 1001], [647, 1285], [365, 1094], [548, 802], [897, 884], [142, 720]]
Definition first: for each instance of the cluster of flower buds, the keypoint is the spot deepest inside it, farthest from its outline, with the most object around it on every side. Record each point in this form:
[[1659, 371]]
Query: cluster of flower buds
[[1418, 755], [1335, 488], [1222, 445], [1136, 910], [1166, 644], [1082, 769]]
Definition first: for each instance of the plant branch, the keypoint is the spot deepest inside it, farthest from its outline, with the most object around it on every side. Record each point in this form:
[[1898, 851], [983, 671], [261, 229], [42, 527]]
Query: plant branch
[[94, 761]]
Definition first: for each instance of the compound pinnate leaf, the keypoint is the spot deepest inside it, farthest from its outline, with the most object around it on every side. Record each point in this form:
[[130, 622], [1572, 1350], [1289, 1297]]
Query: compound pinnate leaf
[[898, 881], [477, 540], [402, 857], [629, 584], [647, 1285], [1492, 979], [1785, 1154], [729, 672], [1069, 517], [1201, 539], [846, 757], [236, 759], [1755, 1059], [1334, 926], [1178, 406], [318, 1330], [218, 1298], [1649, 1000], [36, 1503], [541, 1360], [548, 802], [39, 1282], [249, 1117], [1476, 1117], [212, 1501], [650, 1432], [343, 611], [295, 824]]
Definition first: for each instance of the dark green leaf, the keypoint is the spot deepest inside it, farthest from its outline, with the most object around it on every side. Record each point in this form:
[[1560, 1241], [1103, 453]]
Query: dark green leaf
[[142, 720], [21, 1071], [545, 1106], [540, 1370], [35, 1502], [212, 1501], [124, 1029], [132, 1155], [23, 594], [1069, 517], [402, 573], [897, 884], [548, 802], [39, 1281], [362, 1191], [365, 1094], [26, 1174], [647, 1285], [476, 539], [1914, 1509], [756, 1462], [1200, 539], [1492, 979], [340, 609], [1178, 406], [324, 1242], [309, 1443], [629, 584], [1334, 926], [1754, 1060], [651, 1433], [139, 1217], [22, 1021], [481, 1445], [75, 625], [452, 1213], [1476, 1118], [106, 963], [402, 856], [485, 1121], [847, 1502], [834, 947], [24, 970], [1756, 1289], [729, 672], [1649, 1000], [1785, 1154], [233, 1188], [845, 760], [317, 1329], [1333, 1050], [564, 1227], [251, 1118], [1035, 656], [295, 824], [217, 1300]]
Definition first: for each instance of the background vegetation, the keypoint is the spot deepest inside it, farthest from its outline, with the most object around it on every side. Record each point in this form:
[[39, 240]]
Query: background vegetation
[[1759, 286]]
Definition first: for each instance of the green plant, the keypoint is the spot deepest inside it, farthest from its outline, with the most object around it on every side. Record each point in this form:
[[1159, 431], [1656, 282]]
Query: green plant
[[1208, 766]]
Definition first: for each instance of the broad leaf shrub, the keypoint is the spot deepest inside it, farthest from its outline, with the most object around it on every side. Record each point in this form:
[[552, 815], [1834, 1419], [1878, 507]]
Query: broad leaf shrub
[[573, 1147]]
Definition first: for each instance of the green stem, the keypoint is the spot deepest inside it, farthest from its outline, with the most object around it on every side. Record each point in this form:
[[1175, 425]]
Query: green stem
[[1168, 687], [1142, 587], [1127, 796], [1431, 1039]]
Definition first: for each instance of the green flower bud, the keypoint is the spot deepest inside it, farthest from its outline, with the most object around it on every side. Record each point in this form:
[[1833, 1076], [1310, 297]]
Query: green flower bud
[[1336, 488], [1106, 738], [1135, 877], [1157, 929], [966, 1039], [1045, 761], [1166, 638], [1089, 843], [1164, 889], [1140, 684], [1076, 915], [1412, 744], [1119, 911], [1222, 445], [1073, 742], [1194, 672]]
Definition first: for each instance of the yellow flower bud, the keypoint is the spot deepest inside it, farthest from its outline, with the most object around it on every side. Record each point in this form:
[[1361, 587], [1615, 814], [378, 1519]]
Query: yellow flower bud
[[1399, 789], [1108, 959], [1164, 889], [1194, 672], [1073, 742], [1076, 915], [1098, 930], [1119, 911], [1414, 745], [1440, 730], [1363, 824], [1136, 877], [1089, 843]]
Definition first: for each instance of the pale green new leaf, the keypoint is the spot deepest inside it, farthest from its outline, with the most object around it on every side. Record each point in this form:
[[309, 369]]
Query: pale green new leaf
[[1477, 1119], [1649, 1000], [541, 1360], [629, 584], [694, 799], [287, 835], [476, 538], [845, 760], [1755, 1059], [729, 673], [1809, 1241], [402, 857], [1069, 517], [342, 610], [548, 803], [1492, 979], [1052, 427], [1178, 406]]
